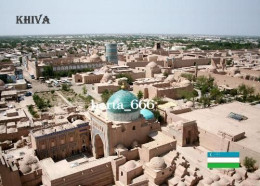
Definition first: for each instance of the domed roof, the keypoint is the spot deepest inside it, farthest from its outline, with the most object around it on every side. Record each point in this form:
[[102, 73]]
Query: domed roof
[[2, 83], [238, 75], [170, 78], [185, 82], [215, 177], [223, 181], [157, 163], [25, 168], [208, 181], [237, 177], [189, 104], [106, 77], [29, 159], [120, 102], [78, 122], [130, 165], [147, 114], [152, 64], [94, 56]]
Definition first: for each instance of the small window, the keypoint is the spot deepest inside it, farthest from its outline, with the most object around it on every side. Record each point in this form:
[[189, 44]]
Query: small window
[[121, 173], [133, 127]]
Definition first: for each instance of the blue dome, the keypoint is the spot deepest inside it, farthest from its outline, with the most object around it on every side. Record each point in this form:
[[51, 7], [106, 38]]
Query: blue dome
[[147, 114], [124, 98]]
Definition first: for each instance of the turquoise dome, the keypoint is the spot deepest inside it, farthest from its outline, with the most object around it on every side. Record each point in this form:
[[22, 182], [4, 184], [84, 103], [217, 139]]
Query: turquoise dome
[[124, 98], [147, 114]]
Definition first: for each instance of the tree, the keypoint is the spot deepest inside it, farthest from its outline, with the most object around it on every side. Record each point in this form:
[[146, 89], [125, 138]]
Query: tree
[[249, 164], [129, 78], [84, 89], [140, 95], [157, 115], [65, 87], [106, 95], [48, 71], [166, 74]]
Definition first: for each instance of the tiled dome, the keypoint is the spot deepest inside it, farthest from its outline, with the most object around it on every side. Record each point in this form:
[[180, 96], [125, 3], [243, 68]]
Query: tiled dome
[[147, 114], [123, 98]]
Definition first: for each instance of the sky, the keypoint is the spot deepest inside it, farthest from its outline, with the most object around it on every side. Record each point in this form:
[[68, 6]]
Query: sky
[[205, 17]]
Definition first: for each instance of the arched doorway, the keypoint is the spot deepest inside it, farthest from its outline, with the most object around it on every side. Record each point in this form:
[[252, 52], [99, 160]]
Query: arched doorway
[[99, 147]]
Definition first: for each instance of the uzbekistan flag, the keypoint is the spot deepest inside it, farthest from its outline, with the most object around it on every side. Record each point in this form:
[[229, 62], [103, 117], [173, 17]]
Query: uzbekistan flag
[[223, 159]]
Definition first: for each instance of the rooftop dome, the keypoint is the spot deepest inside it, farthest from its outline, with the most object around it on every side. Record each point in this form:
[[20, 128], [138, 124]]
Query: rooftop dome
[[147, 114], [185, 82], [121, 97], [224, 181], [130, 165], [29, 159], [189, 104], [215, 177], [106, 77], [170, 78], [2, 83], [157, 163], [25, 169], [119, 106], [208, 181], [95, 58], [78, 122], [152, 64], [237, 177]]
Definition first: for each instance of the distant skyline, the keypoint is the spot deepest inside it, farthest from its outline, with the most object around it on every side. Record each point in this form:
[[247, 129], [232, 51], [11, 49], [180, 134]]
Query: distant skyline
[[187, 17]]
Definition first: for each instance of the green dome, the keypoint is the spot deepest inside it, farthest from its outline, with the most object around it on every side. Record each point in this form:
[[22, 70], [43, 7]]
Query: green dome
[[123, 98]]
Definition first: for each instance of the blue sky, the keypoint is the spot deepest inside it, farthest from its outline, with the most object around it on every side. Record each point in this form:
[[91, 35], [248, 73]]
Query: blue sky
[[212, 17]]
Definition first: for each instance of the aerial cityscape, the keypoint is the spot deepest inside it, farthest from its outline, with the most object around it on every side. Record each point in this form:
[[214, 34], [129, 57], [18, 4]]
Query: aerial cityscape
[[128, 108]]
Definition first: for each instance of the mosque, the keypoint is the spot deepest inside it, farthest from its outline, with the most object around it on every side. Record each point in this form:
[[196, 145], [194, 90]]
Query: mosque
[[121, 125]]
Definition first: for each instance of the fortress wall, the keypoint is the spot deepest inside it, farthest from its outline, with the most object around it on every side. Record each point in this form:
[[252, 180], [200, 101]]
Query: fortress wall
[[179, 63], [232, 82]]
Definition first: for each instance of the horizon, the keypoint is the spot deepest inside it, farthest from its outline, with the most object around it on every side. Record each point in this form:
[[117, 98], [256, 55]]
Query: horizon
[[170, 17]]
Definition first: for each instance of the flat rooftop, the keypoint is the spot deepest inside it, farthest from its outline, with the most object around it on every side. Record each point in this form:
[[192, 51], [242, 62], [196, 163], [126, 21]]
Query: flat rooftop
[[216, 119], [68, 168]]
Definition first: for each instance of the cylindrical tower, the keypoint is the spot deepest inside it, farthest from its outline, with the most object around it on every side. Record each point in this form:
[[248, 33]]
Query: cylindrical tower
[[111, 53]]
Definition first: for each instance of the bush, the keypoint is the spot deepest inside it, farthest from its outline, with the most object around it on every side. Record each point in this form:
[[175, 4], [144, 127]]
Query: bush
[[249, 163], [65, 87], [106, 95], [140, 95]]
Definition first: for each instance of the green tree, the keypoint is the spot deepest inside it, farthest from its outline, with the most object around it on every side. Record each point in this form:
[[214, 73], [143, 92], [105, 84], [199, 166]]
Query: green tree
[[140, 94], [249, 163], [65, 87], [157, 115], [48, 71], [106, 95], [166, 74], [84, 89], [129, 77]]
